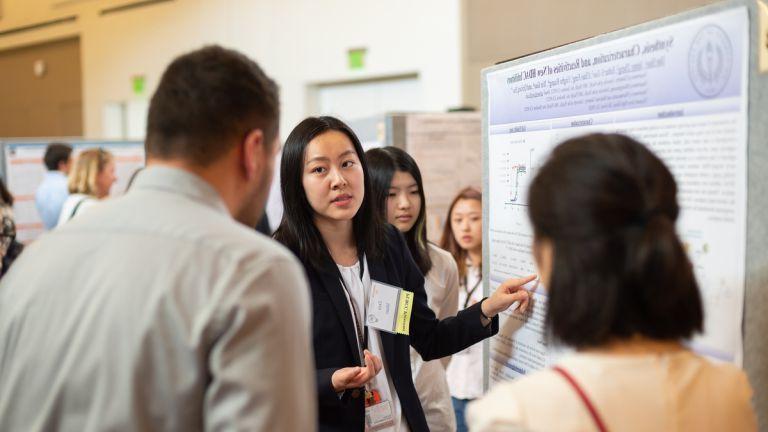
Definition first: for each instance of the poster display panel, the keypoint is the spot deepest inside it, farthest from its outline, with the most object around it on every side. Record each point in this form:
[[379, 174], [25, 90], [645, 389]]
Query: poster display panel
[[680, 89]]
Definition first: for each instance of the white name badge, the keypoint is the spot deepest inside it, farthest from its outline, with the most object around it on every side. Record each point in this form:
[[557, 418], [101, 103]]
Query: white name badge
[[389, 308], [379, 415]]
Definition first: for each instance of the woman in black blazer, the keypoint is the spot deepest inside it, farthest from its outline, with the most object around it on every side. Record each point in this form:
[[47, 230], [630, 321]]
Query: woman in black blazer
[[330, 223]]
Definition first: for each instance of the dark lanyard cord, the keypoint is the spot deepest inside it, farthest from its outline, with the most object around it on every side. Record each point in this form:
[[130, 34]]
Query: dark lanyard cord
[[470, 292], [362, 332]]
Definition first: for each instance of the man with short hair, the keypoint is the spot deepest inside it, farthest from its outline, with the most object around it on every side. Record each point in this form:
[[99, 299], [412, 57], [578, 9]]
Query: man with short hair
[[52, 192], [156, 310]]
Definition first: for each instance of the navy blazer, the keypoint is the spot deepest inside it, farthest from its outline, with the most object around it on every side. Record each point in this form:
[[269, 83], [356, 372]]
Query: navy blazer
[[335, 343]]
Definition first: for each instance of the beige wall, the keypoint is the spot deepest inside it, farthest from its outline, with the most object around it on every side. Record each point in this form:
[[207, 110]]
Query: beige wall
[[299, 42], [303, 42], [498, 30]]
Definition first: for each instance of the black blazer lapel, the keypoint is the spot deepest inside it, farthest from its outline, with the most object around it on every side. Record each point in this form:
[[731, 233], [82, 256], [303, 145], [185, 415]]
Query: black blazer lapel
[[331, 281]]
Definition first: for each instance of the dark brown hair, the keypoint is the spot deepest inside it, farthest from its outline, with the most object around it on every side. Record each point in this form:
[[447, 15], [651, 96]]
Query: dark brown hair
[[448, 240], [205, 101], [55, 154], [609, 206]]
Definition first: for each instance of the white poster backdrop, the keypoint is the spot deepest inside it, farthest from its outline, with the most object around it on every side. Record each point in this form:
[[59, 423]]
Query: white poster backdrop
[[24, 171], [679, 89]]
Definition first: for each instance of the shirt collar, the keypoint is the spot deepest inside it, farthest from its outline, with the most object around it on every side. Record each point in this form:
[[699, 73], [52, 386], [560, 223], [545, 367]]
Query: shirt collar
[[180, 182], [55, 173]]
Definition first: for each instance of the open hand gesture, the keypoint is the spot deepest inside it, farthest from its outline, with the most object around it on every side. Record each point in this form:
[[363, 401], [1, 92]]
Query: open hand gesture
[[357, 376]]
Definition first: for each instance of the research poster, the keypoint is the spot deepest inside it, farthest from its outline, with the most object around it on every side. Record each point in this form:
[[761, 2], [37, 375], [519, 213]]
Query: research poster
[[681, 90], [24, 171]]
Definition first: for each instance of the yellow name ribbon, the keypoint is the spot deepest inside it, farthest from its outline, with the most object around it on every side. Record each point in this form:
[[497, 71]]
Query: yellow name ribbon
[[404, 309]]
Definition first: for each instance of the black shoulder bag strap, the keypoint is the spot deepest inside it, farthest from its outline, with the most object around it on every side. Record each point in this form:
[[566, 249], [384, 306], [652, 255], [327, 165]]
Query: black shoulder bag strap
[[77, 206]]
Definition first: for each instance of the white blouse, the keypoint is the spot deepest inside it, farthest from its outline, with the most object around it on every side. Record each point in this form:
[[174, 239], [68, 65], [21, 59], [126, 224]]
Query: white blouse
[[670, 391], [71, 202], [465, 372], [442, 286], [359, 291]]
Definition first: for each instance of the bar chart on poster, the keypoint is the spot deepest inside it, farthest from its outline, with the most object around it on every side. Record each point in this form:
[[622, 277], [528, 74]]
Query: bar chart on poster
[[682, 90]]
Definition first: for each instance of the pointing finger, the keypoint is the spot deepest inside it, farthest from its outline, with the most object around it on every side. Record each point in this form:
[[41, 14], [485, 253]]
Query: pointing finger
[[515, 284]]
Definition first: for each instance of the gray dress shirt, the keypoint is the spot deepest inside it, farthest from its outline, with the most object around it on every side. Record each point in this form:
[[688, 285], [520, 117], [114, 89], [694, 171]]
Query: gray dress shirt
[[156, 311]]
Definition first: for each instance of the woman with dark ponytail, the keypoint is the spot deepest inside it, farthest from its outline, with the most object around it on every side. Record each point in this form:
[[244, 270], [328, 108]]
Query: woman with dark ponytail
[[622, 293]]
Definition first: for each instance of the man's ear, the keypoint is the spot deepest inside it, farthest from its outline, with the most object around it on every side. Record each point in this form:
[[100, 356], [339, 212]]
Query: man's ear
[[253, 153]]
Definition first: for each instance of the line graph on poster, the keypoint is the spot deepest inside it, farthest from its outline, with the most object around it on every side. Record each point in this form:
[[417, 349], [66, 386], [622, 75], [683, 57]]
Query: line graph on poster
[[516, 175]]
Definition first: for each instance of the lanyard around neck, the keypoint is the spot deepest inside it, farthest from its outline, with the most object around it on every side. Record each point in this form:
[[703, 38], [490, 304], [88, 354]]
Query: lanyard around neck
[[470, 291], [361, 329]]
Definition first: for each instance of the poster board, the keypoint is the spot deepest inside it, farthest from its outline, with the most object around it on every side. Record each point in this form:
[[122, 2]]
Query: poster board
[[23, 171], [448, 149], [688, 87]]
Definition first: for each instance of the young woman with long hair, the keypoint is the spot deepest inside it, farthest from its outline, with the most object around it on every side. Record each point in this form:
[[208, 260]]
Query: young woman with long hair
[[462, 237], [399, 192], [332, 224]]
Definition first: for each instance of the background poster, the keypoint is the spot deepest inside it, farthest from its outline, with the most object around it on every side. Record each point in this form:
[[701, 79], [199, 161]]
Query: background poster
[[24, 171]]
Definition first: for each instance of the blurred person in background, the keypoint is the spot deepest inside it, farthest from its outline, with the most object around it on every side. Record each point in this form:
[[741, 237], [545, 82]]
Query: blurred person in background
[[90, 181], [620, 291], [53, 191], [398, 190], [10, 248], [463, 238]]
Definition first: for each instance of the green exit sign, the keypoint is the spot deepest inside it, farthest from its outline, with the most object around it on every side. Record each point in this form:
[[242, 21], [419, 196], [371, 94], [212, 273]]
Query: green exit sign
[[356, 58], [138, 84]]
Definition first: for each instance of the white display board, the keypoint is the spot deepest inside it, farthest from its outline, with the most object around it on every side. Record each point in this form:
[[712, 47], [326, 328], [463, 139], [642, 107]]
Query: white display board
[[681, 89], [24, 171]]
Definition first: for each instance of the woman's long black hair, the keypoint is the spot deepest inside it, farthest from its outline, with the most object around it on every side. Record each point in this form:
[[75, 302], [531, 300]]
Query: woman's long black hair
[[383, 163], [297, 229]]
